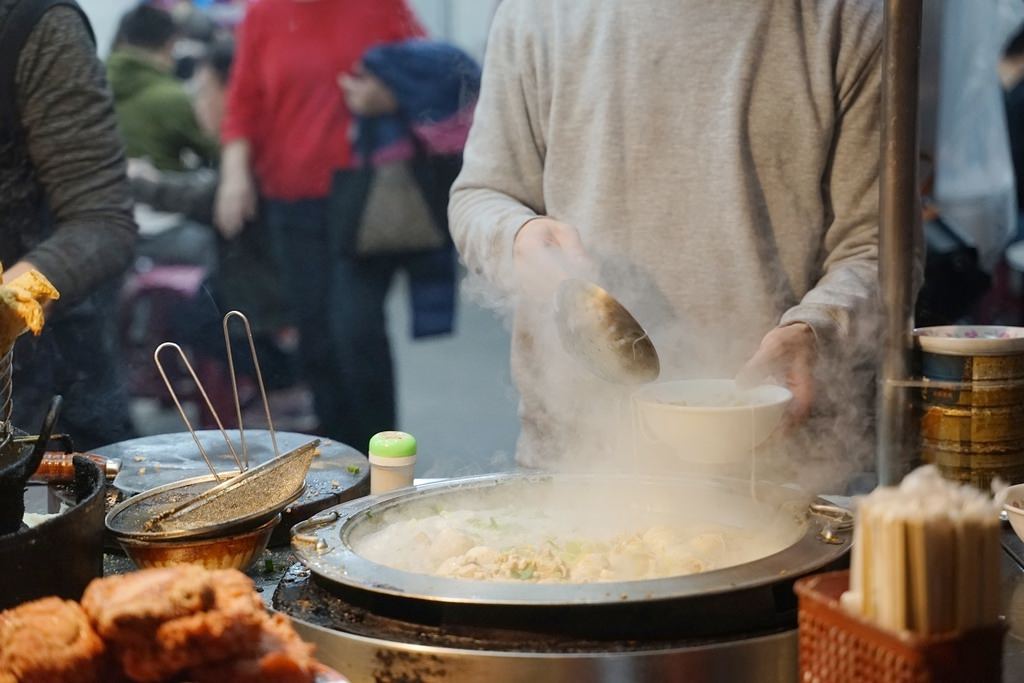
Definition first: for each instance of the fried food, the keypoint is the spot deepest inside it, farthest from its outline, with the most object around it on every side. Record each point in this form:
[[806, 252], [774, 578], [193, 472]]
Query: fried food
[[50, 641], [155, 626], [163, 622], [21, 306], [282, 657], [128, 609]]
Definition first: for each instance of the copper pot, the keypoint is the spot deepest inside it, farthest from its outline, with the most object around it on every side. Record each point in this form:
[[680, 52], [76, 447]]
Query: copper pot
[[238, 551]]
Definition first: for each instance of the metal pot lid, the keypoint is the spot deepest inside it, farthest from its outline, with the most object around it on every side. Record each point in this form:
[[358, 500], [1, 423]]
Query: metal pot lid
[[160, 459], [324, 544]]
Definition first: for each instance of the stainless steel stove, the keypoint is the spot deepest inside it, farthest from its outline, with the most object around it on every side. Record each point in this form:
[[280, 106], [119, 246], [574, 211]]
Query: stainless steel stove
[[378, 624]]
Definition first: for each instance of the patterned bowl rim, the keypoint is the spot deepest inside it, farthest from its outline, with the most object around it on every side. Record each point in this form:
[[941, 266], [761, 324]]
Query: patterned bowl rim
[[970, 340]]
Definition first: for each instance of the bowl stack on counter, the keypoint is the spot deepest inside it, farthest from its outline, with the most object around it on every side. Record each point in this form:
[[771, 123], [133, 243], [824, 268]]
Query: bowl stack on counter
[[971, 401]]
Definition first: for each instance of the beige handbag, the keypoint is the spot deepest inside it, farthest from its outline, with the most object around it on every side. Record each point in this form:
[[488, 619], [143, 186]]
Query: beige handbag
[[396, 217]]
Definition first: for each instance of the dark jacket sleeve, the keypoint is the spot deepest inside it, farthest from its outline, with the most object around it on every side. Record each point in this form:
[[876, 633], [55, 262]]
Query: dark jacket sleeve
[[67, 115]]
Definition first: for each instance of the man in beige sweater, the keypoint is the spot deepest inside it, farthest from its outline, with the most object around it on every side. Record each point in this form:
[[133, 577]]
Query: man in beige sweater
[[714, 164]]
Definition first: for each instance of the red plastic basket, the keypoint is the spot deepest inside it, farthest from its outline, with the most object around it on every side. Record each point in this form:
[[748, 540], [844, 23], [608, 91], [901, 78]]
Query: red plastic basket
[[839, 647]]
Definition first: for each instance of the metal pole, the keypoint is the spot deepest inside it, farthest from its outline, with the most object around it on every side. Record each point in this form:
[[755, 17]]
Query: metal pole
[[899, 216]]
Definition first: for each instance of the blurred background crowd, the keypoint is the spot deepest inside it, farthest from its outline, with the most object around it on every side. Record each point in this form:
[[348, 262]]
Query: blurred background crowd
[[247, 126], [236, 129]]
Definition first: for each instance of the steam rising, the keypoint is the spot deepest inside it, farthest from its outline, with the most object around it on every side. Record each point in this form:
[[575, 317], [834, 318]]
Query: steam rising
[[576, 422]]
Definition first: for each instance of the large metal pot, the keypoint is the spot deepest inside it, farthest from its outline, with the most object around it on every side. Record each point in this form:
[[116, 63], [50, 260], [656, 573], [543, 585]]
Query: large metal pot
[[363, 613]]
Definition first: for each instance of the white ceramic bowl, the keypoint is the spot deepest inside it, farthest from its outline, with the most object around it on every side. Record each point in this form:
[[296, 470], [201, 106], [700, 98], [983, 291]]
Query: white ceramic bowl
[[1013, 503], [970, 340], [707, 420]]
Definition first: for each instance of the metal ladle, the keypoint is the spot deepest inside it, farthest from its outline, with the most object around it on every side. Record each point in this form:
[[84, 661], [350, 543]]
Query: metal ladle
[[601, 334]]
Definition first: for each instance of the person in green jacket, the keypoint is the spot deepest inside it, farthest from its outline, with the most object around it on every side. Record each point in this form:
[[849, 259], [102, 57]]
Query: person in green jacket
[[156, 116]]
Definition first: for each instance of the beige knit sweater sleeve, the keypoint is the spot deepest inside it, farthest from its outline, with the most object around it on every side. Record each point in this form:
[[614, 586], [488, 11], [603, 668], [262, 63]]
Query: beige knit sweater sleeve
[[501, 184], [846, 291]]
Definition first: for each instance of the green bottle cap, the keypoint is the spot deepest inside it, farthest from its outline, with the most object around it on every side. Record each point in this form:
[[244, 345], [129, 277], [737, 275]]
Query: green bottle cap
[[392, 445]]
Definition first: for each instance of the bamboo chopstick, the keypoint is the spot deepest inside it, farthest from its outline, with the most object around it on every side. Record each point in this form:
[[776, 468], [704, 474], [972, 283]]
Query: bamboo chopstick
[[926, 557]]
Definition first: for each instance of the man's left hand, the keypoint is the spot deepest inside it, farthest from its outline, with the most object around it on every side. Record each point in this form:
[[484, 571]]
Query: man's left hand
[[789, 354]]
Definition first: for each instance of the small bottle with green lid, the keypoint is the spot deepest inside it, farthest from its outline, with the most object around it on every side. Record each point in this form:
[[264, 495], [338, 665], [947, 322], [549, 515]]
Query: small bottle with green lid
[[392, 461]]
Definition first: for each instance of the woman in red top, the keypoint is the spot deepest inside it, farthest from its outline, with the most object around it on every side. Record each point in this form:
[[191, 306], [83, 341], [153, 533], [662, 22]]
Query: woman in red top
[[285, 132]]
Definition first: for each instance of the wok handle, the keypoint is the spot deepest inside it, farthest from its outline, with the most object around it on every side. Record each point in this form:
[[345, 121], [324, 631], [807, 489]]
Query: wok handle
[[832, 521], [59, 468], [304, 532], [31, 464]]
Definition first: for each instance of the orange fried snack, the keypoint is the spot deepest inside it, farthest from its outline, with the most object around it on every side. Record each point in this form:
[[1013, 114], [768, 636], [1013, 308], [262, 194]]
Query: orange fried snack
[[50, 641], [282, 657], [160, 623], [129, 608], [21, 306]]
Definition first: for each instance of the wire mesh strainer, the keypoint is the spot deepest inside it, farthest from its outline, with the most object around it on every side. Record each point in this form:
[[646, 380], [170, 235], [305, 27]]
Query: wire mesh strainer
[[256, 492], [205, 506]]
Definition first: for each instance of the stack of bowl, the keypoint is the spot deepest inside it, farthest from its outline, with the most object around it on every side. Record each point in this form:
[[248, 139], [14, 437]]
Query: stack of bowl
[[219, 521], [972, 401], [230, 543]]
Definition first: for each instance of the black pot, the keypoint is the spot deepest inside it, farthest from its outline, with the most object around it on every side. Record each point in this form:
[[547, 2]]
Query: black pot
[[61, 555], [17, 464]]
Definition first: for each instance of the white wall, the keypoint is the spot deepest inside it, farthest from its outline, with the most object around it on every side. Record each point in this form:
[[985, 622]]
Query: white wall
[[104, 15], [463, 22]]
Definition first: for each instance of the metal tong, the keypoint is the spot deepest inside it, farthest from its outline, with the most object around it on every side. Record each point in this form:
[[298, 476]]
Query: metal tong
[[243, 461], [259, 381]]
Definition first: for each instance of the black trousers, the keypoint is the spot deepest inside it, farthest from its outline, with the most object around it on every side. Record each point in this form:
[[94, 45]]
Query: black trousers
[[338, 305]]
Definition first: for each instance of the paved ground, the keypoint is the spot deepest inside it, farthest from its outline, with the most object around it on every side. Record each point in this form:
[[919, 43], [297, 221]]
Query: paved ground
[[455, 394]]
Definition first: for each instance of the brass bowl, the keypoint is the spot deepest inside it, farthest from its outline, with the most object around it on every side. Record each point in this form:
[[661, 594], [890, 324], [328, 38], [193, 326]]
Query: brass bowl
[[975, 465], [1009, 467], [961, 425], [987, 394], [972, 368], [238, 551]]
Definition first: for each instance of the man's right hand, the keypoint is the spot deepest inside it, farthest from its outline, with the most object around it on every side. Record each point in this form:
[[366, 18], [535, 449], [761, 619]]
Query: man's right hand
[[235, 203], [546, 252]]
